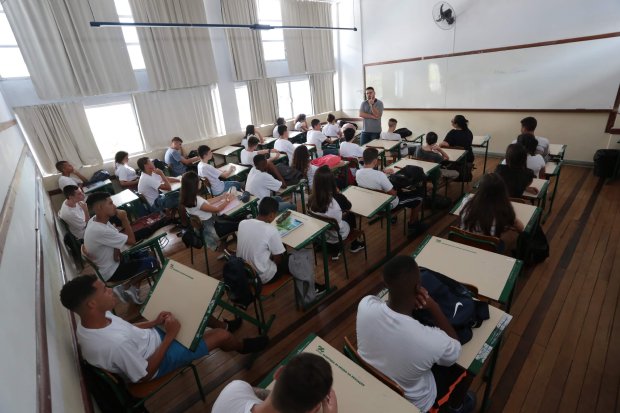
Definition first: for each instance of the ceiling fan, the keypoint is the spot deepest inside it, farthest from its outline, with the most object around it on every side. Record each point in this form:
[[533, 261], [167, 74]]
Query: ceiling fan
[[444, 15]]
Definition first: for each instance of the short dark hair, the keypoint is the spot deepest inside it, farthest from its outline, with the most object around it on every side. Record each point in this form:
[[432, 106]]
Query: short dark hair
[[258, 159], [331, 118], [349, 134], [60, 165], [250, 130], [76, 291], [177, 139], [529, 141], [280, 121], [252, 141], [399, 267], [120, 156], [282, 129], [95, 198], [431, 138], [203, 150], [529, 123], [369, 155], [303, 383], [142, 162], [267, 205], [315, 122], [392, 121], [370, 88], [69, 190]]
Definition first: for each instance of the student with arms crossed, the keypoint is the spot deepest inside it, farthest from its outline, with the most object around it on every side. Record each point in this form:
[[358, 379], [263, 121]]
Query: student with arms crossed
[[260, 183], [250, 130], [283, 144], [139, 352], [303, 385], [151, 181], [127, 176], [212, 174], [74, 211], [316, 138], [460, 136], [371, 111], [66, 169], [419, 358], [515, 173], [175, 159], [431, 152]]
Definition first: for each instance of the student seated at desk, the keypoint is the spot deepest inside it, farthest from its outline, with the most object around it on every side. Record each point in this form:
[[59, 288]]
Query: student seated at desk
[[247, 155], [348, 149], [326, 200], [74, 211], [127, 176], [316, 138], [370, 178], [212, 174], [139, 352], [515, 173], [303, 385], [391, 135], [419, 358], [528, 125], [279, 121], [301, 163], [250, 130], [344, 125], [300, 123], [331, 130], [213, 227], [260, 183], [66, 169], [103, 243], [460, 136], [175, 159], [534, 161], [151, 181], [431, 152], [283, 144]]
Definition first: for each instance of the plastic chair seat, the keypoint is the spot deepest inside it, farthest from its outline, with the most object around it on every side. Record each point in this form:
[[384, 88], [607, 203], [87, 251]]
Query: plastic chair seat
[[267, 290]]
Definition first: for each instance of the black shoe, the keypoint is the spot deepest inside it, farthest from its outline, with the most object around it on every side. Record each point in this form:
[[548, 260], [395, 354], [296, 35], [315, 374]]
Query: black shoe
[[234, 324], [254, 345], [468, 406], [319, 288], [357, 246]]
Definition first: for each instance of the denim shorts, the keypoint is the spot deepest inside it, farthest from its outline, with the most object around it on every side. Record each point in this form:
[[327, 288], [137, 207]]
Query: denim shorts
[[178, 356]]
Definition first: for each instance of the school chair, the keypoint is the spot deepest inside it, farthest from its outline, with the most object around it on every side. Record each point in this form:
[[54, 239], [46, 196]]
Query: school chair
[[73, 244], [131, 397], [196, 225], [518, 200], [483, 242], [353, 235]]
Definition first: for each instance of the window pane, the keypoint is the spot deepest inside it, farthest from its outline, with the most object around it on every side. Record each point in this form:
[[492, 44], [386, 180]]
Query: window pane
[[115, 128], [217, 107], [243, 106], [272, 35], [6, 34], [123, 8], [12, 63], [274, 51], [302, 100], [131, 35], [269, 10], [135, 55], [284, 100]]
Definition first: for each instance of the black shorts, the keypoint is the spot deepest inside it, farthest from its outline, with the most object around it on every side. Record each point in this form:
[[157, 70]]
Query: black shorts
[[446, 379]]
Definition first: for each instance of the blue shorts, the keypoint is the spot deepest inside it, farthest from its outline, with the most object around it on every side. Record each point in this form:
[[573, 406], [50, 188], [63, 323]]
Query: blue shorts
[[178, 356]]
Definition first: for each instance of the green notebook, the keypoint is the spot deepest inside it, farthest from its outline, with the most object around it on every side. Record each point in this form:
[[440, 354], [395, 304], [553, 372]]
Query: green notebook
[[288, 225]]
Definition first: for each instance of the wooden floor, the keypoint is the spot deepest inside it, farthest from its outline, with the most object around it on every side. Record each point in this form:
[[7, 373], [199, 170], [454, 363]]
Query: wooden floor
[[558, 353]]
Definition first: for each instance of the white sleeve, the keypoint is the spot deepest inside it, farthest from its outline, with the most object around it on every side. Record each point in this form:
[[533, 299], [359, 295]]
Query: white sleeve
[[112, 238], [73, 220], [385, 183], [126, 358], [448, 351], [272, 183]]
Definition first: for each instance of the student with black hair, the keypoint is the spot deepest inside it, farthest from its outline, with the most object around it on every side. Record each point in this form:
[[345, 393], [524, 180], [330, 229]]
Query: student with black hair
[[431, 152], [152, 180], [250, 130], [391, 135], [303, 385], [127, 176], [66, 170], [214, 175], [348, 149], [74, 211], [529, 125], [515, 173], [331, 130], [300, 123], [283, 145], [261, 183], [174, 157], [246, 157], [535, 161], [279, 121], [460, 136], [318, 139], [140, 352]]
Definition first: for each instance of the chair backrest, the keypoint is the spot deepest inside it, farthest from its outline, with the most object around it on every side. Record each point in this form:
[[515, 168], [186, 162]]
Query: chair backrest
[[108, 390], [353, 162], [331, 221], [351, 352], [70, 240], [484, 242]]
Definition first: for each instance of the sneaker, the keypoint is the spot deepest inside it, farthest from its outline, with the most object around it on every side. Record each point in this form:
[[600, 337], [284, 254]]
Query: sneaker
[[336, 255], [254, 345], [319, 288], [234, 324], [134, 295], [120, 293], [468, 406], [357, 246]]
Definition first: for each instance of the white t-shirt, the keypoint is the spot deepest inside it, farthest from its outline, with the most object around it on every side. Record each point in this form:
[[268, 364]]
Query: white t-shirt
[[331, 130], [68, 180], [100, 241], [260, 184], [403, 349], [284, 145], [316, 138], [148, 185], [543, 146], [298, 126], [351, 150], [256, 242], [535, 163], [206, 170], [237, 397], [376, 180], [247, 157], [119, 348], [275, 133], [334, 211], [125, 173], [391, 136], [196, 211], [75, 219]]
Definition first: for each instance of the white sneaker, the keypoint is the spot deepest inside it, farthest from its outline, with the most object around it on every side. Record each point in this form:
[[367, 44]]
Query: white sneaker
[[133, 294]]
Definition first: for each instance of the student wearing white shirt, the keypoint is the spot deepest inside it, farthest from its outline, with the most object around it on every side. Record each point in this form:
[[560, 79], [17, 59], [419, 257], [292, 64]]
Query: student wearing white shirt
[[316, 138], [301, 162], [250, 130], [151, 181], [283, 144], [331, 130], [74, 211], [214, 175], [528, 125], [247, 155], [348, 149], [391, 135], [140, 352], [66, 169], [370, 178], [127, 176], [304, 384], [279, 121], [174, 157], [535, 161], [300, 123], [419, 358], [261, 184]]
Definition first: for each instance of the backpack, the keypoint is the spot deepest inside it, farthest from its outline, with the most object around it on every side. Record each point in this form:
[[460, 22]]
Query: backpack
[[403, 132], [191, 239], [456, 303], [145, 226], [99, 176], [410, 176], [237, 282], [160, 164], [329, 160], [534, 250], [291, 175]]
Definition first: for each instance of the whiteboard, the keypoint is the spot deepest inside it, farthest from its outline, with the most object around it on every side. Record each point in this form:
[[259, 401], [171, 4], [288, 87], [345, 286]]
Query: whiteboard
[[581, 75]]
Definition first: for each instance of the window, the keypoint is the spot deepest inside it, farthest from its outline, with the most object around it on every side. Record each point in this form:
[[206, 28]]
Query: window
[[11, 61], [273, 40], [130, 34], [115, 128], [243, 105], [294, 97], [217, 109]]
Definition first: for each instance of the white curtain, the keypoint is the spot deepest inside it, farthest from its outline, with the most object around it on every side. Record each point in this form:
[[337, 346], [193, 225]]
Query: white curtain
[[65, 56], [175, 57], [245, 44], [59, 131], [263, 101], [291, 16], [187, 113], [322, 89]]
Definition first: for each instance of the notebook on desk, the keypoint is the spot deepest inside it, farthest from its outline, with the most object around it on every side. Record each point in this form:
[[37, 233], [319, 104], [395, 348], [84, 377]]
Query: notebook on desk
[[288, 225]]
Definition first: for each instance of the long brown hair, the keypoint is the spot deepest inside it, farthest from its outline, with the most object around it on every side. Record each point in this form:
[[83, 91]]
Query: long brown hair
[[301, 160], [323, 190], [189, 189], [489, 206]]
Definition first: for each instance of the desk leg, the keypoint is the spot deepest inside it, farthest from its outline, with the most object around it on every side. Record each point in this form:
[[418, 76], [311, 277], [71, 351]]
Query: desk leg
[[464, 168], [489, 377], [325, 262], [303, 199], [388, 210], [555, 190], [486, 154]]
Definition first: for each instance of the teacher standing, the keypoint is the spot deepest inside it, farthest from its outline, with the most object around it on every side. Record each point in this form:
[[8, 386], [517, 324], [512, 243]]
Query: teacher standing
[[371, 111]]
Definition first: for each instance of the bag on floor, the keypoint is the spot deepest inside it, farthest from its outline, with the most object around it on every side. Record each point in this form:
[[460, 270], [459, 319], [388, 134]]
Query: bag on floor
[[99, 176], [534, 250], [301, 266], [237, 282]]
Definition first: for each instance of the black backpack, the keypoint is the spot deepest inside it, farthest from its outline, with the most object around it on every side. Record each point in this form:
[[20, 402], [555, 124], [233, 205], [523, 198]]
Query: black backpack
[[237, 282], [408, 177], [159, 164], [535, 250], [99, 176], [455, 301], [403, 132], [291, 175], [191, 239]]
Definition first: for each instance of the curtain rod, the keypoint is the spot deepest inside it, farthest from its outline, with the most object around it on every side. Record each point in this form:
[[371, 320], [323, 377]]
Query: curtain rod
[[217, 26]]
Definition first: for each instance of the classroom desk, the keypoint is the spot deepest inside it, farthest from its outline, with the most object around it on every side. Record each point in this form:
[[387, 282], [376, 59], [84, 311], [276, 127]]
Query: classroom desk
[[482, 142], [428, 167], [552, 169], [293, 134], [357, 390], [541, 196], [127, 200], [228, 151], [493, 274], [155, 243], [239, 171], [251, 205], [367, 203], [457, 155], [105, 186], [311, 148], [297, 188], [268, 142], [174, 186], [557, 150], [386, 145]]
